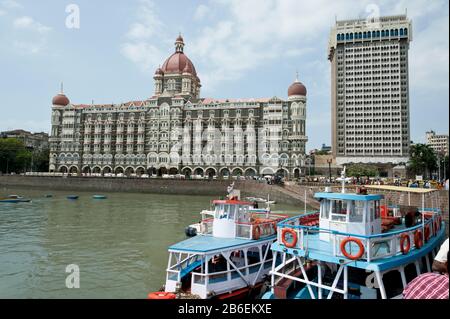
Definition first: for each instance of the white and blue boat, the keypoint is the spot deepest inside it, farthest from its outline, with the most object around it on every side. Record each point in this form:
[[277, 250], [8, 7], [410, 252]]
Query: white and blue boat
[[14, 199], [354, 248], [230, 257]]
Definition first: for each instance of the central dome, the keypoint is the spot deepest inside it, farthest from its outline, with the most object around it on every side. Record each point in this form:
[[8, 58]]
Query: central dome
[[178, 63]]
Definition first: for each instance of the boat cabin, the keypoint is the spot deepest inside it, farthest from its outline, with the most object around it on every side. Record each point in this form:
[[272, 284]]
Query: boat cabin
[[227, 213], [349, 213]]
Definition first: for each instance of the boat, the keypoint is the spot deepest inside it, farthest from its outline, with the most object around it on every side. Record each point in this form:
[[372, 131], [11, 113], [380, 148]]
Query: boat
[[48, 195], [355, 247], [229, 258], [72, 197], [99, 197], [14, 199]]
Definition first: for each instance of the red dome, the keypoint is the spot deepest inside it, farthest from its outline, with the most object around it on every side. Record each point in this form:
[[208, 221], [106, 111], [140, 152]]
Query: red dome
[[297, 88], [159, 71], [178, 63], [61, 100]]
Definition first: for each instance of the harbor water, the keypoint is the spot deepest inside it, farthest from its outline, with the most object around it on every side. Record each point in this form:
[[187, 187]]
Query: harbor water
[[119, 243]]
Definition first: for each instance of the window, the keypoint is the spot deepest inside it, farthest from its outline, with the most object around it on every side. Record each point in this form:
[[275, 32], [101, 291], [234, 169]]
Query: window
[[338, 211], [325, 209], [356, 211]]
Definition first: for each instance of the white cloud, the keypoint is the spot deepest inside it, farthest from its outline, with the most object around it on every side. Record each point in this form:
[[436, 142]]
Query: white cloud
[[141, 46], [11, 4], [28, 23], [143, 54], [29, 47], [201, 12]]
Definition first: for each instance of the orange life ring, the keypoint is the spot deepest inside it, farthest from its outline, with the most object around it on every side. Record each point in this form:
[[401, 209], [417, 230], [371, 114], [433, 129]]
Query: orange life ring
[[294, 237], [256, 232], [358, 242], [161, 295], [427, 232], [418, 241], [403, 238]]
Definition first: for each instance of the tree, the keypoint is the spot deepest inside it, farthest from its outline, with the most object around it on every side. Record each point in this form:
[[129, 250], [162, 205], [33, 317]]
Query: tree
[[14, 156], [362, 170], [423, 160]]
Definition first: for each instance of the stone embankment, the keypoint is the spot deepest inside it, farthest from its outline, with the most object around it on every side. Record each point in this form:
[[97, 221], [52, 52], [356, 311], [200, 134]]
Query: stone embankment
[[290, 193]]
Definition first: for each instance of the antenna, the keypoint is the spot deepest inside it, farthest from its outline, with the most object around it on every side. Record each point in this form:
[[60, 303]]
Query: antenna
[[62, 87]]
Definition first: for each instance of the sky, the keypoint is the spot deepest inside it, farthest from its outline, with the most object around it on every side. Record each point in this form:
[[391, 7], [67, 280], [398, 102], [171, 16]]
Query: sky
[[240, 48]]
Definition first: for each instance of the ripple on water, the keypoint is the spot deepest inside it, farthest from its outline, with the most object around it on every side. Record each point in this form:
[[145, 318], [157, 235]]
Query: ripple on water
[[120, 244]]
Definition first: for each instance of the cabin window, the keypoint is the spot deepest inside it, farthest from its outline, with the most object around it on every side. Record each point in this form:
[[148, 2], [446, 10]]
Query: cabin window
[[356, 211], [338, 211], [232, 211], [325, 209], [374, 210]]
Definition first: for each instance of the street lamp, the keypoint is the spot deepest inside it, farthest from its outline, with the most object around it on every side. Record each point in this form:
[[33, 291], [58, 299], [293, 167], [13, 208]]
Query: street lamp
[[329, 161]]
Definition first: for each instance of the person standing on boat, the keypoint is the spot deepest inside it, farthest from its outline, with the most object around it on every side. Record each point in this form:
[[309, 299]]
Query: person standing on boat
[[439, 263], [428, 286]]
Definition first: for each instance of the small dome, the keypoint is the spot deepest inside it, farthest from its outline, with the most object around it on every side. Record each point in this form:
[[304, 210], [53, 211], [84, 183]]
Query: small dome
[[179, 39], [297, 88], [61, 100], [159, 71]]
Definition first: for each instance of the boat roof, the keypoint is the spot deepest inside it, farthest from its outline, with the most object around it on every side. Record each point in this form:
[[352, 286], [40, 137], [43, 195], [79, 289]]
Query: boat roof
[[402, 189], [207, 244], [231, 202], [349, 196]]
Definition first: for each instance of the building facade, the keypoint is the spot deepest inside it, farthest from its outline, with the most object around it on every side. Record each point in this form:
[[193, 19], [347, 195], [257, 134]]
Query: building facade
[[177, 132], [370, 90], [438, 142], [35, 141]]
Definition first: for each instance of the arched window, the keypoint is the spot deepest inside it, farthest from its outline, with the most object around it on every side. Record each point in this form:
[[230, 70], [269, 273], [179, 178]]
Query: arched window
[[401, 32], [406, 31], [392, 32], [382, 33], [396, 32], [351, 36], [347, 37], [365, 35], [360, 35], [338, 37], [378, 34]]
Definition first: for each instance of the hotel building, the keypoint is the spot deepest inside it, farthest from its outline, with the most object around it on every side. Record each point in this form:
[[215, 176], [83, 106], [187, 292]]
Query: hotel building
[[175, 131], [370, 91]]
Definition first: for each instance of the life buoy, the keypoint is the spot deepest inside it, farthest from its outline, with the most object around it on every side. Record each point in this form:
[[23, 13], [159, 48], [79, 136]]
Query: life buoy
[[293, 233], [161, 295], [358, 242], [427, 232], [403, 238], [418, 241], [256, 232]]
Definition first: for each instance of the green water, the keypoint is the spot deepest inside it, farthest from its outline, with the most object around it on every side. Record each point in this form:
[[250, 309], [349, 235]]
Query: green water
[[119, 244]]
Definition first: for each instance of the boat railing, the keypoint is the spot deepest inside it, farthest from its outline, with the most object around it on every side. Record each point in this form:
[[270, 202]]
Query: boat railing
[[261, 225], [375, 247], [227, 275]]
